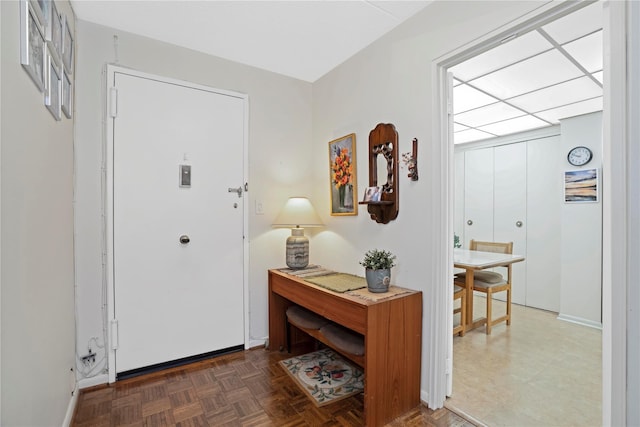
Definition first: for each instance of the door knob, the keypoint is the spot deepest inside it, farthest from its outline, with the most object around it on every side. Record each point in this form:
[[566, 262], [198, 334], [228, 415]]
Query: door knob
[[469, 222], [184, 239], [518, 224]]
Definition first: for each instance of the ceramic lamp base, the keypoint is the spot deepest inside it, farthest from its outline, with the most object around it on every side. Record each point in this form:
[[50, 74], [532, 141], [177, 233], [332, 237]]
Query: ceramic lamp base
[[297, 249]]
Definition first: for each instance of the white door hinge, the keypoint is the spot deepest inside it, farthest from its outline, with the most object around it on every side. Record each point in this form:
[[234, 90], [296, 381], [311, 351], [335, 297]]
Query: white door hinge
[[113, 102], [114, 334]]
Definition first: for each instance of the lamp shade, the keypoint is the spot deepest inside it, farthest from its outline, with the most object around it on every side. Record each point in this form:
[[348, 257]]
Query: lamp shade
[[298, 212]]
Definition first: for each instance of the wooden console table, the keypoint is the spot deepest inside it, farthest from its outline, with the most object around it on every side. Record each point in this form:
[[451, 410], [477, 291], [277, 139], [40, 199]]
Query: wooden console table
[[392, 330]]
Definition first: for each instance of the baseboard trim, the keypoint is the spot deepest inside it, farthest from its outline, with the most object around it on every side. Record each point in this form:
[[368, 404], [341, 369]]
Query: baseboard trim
[[93, 381], [71, 408], [580, 321]]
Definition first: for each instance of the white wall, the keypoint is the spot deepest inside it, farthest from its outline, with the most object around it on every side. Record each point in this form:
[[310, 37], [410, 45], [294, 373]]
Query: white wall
[[392, 81], [37, 244], [581, 276], [279, 157]]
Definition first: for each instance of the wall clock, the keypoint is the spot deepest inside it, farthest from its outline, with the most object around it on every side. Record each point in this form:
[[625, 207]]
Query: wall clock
[[579, 156]]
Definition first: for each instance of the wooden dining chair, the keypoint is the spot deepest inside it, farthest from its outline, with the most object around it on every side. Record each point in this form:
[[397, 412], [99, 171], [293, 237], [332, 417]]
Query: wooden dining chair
[[460, 293], [491, 282]]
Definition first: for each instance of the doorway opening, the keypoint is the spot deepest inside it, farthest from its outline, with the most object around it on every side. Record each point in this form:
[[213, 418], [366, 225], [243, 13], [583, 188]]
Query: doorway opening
[[491, 114]]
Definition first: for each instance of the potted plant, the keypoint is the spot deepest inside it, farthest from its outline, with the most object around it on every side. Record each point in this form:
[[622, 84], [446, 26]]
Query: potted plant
[[377, 264]]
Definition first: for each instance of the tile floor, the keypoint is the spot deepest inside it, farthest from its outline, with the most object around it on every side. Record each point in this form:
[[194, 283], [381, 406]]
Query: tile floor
[[540, 371]]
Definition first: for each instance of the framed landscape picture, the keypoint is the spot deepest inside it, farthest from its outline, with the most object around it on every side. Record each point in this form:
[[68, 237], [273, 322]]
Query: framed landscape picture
[[342, 175], [581, 186], [53, 94]]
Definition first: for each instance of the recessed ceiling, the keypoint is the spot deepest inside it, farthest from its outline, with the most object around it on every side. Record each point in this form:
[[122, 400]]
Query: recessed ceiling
[[300, 39], [532, 81]]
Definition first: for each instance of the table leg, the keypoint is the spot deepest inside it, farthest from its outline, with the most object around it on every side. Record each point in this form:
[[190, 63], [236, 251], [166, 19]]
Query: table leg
[[469, 286]]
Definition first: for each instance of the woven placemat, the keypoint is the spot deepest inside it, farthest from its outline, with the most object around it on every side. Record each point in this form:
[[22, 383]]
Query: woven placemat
[[371, 296], [310, 271], [339, 282]]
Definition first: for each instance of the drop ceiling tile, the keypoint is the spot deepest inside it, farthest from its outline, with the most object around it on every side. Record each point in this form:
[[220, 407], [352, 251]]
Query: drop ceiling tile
[[457, 127], [576, 24], [535, 73], [587, 51], [525, 46], [556, 114], [470, 135], [558, 95], [488, 114], [510, 126], [599, 76], [466, 98]]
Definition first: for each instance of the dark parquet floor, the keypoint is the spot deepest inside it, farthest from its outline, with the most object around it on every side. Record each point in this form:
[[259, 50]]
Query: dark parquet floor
[[246, 388]]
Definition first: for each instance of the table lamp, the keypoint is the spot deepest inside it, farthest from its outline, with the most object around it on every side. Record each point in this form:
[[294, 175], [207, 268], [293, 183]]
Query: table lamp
[[297, 213]]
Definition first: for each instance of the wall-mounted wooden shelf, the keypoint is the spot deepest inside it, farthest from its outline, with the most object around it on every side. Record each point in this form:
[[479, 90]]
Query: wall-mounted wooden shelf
[[383, 141]]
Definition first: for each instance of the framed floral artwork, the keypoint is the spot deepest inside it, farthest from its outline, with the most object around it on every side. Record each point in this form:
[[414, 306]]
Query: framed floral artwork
[[342, 175]]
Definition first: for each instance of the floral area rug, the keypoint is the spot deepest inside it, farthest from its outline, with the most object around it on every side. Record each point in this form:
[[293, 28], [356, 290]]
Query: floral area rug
[[324, 376]]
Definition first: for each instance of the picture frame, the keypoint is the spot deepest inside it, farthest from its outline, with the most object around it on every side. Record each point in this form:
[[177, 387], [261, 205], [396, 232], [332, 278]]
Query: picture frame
[[67, 95], [32, 44], [372, 194], [41, 11], [54, 32], [342, 175], [53, 92], [67, 46], [582, 186]]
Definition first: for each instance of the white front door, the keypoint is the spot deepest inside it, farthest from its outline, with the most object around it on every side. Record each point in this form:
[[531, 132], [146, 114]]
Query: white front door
[[177, 230]]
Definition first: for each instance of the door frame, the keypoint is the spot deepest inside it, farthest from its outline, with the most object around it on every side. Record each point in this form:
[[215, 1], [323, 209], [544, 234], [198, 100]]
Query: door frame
[[110, 110], [616, 252]]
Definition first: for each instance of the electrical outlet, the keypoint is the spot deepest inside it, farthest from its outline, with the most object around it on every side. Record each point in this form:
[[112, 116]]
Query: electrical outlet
[[89, 359]]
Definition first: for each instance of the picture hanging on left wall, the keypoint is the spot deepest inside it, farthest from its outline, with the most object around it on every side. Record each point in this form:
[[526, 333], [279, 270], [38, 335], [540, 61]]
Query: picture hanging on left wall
[[32, 44]]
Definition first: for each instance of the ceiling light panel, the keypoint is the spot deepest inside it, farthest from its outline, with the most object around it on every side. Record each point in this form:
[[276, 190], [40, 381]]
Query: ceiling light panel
[[535, 73], [525, 46], [556, 114], [577, 24], [488, 114], [587, 51], [558, 95], [467, 98], [510, 126], [470, 135]]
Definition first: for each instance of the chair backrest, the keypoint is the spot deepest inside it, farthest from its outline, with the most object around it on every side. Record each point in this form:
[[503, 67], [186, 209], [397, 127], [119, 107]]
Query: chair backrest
[[497, 247]]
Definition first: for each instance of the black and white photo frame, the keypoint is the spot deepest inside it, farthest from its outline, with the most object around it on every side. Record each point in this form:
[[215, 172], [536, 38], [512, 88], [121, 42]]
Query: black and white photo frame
[[67, 46], [53, 92], [32, 43], [67, 94], [54, 32]]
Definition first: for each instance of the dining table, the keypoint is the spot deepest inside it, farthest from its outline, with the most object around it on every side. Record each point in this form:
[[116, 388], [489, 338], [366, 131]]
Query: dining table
[[472, 261]]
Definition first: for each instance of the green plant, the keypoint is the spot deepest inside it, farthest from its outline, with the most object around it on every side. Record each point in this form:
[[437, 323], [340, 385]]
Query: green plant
[[377, 259], [456, 241]]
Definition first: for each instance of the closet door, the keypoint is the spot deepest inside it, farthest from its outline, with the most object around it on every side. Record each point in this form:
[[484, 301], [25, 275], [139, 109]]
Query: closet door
[[478, 195], [510, 209], [544, 157]]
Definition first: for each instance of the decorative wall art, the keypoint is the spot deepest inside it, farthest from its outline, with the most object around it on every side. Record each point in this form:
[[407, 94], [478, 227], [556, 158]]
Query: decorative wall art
[[53, 33], [32, 45], [67, 95], [46, 53], [581, 186], [67, 47], [53, 92], [342, 172]]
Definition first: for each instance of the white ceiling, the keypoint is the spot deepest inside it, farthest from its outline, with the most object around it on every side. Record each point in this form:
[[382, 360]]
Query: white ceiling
[[532, 81], [300, 39]]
